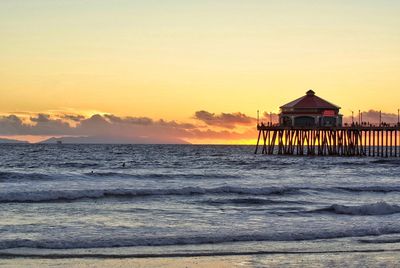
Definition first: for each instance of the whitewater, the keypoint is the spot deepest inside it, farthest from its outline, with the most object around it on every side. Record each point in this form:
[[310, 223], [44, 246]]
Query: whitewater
[[188, 200]]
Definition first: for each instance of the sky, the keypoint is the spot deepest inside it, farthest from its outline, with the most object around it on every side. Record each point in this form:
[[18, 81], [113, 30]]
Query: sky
[[175, 62]]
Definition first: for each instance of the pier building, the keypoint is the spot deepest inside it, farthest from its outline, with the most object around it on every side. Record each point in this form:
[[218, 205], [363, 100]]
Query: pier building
[[311, 125]]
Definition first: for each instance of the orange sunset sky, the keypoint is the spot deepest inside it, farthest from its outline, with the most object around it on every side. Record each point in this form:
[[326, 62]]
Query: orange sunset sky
[[188, 71]]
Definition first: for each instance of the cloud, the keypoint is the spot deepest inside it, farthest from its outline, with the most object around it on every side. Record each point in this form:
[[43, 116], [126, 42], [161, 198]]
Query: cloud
[[73, 117], [268, 117], [41, 125], [225, 120], [129, 120], [372, 117], [113, 128], [11, 124], [10, 119], [41, 118]]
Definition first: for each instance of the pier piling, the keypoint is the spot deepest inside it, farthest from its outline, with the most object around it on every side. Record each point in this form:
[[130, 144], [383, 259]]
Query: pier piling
[[329, 141]]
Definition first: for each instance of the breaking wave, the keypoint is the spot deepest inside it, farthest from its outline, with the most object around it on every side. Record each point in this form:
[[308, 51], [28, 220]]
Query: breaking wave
[[379, 208], [386, 161], [160, 175], [133, 241], [377, 188], [77, 165], [6, 176], [71, 195], [250, 201], [65, 195], [10, 176], [380, 241]]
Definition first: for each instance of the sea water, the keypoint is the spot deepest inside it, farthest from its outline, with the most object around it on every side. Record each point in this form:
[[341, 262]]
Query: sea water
[[184, 200]]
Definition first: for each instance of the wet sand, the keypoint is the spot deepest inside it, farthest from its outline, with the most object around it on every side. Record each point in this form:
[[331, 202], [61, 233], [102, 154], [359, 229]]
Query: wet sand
[[375, 259]]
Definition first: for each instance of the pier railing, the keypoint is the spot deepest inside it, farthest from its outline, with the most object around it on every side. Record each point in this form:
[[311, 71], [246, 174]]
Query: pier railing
[[349, 140]]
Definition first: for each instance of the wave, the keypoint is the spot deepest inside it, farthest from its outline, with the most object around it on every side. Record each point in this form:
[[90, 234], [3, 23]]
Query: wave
[[73, 195], [380, 241], [379, 208], [347, 163], [70, 195], [386, 161], [16, 176], [250, 201], [7, 176], [214, 238], [109, 174], [187, 254], [160, 175], [377, 188], [77, 165]]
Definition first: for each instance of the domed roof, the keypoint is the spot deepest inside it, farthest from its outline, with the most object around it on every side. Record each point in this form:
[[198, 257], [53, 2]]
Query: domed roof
[[310, 101]]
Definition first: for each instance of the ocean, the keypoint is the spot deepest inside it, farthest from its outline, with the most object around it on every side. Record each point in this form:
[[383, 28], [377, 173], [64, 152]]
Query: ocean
[[192, 200]]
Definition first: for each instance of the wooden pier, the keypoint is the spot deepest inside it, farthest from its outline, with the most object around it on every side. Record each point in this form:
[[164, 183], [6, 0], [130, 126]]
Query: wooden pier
[[354, 140]]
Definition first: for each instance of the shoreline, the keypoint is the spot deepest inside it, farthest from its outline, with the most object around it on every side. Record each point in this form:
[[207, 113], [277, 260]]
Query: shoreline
[[331, 259], [187, 255]]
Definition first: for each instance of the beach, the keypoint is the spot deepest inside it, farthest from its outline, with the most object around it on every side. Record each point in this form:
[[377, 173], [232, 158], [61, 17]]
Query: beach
[[371, 259]]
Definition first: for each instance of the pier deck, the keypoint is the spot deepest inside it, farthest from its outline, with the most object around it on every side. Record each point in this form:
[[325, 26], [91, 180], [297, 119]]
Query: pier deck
[[354, 140]]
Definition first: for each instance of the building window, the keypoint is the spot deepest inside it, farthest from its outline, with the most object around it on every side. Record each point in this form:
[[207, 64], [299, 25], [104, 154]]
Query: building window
[[286, 121], [328, 121], [304, 121]]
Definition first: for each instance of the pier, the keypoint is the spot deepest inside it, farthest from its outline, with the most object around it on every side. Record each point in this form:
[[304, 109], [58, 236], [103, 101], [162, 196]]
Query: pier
[[311, 125], [382, 141]]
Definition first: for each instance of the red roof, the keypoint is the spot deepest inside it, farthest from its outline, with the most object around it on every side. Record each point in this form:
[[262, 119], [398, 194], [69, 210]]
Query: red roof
[[310, 101]]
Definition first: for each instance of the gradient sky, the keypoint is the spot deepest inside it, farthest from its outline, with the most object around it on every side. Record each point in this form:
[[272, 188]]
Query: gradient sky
[[168, 59]]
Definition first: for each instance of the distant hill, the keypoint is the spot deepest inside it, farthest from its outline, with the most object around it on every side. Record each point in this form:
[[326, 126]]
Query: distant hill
[[11, 141], [112, 140]]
